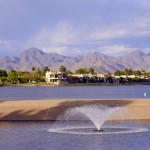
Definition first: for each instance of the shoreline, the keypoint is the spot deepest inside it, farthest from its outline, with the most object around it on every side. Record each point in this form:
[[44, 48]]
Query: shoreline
[[78, 84]]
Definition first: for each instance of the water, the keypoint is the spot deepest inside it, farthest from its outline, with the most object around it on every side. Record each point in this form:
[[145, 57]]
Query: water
[[90, 131], [74, 92], [71, 135], [98, 114], [35, 136]]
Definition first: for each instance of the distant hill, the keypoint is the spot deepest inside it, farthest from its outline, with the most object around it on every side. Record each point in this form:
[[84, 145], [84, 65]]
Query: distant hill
[[34, 57]]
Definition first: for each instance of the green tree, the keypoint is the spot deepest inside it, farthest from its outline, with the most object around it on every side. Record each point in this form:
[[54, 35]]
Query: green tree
[[128, 71], [3, 73], [33, 72], [81, 71], [62, 69], [143, 71], [137, 73], [91, 70], [24, 77], [118, 73], [136, 79], [39, 72], [37, 78], [147, 73], [33, 69], [68, 72], [45, 69], [13, 76], [3, 79]]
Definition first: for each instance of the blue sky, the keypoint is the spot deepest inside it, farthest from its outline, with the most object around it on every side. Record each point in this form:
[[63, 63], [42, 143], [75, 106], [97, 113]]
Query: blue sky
[[74, 27]]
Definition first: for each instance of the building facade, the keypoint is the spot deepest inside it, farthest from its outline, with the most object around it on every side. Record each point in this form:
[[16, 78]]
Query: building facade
[[56, 77]]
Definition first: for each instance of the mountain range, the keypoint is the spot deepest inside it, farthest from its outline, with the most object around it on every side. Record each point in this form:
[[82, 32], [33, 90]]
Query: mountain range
[[34, 57]]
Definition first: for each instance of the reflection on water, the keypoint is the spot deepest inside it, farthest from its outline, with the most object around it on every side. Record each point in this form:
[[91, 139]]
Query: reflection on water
[[74, 92], [35, 136]]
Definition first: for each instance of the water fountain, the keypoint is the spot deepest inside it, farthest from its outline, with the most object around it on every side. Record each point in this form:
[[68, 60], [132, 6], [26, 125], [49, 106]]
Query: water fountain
[[98, 115]]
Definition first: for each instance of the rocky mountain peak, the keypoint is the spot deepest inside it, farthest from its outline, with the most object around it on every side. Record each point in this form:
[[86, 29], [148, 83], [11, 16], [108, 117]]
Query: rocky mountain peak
[[100, 62], [137, 53], [33, 51]]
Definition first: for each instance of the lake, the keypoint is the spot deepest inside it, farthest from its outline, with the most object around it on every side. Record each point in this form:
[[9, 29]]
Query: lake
[[35, 136], [44, 136], [73, 92]]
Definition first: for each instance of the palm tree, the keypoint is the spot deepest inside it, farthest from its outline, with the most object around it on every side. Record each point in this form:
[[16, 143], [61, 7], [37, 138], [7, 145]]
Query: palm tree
[[62, 69], [33, 71]]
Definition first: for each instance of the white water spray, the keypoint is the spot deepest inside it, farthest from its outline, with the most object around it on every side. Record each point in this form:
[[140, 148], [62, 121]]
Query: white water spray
[[98, 114]]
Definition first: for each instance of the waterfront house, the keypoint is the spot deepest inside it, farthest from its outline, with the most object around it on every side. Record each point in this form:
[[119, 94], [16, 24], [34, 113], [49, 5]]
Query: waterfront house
[[56, 77]]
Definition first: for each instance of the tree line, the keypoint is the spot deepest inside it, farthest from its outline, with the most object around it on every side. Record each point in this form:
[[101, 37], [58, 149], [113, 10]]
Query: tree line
[[38, 75], [13, 76], [128, 72]]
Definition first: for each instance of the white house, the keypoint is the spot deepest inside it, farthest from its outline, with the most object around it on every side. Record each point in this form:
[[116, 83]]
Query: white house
[[56, 77]]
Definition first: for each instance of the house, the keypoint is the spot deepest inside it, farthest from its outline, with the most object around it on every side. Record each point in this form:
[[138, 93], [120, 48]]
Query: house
[[56, 77]]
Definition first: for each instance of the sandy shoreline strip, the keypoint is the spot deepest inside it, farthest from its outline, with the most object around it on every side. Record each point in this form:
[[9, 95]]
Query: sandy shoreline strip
[[44, 110]]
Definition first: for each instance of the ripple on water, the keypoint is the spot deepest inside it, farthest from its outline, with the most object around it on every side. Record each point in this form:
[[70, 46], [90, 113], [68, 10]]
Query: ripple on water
[[90, 130]]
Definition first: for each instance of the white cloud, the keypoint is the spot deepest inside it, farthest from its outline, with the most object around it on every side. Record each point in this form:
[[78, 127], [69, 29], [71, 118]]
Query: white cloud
[[146, 50], [9, 48], [68, 51], [115, 50], [106, 34], [5, 45], [64, 39], [54, 38], [122, 31], [63, 34], [142, 22], [59, 50], [4, 42]]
